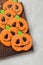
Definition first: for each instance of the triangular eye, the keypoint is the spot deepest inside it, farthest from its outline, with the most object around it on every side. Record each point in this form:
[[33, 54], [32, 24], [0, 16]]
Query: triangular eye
[[24, 39], [17, 41], [9, 15], [14, 24], [16, 7], [13, 33], [9, 6], [21, 24], [6, 36], [3, 19]]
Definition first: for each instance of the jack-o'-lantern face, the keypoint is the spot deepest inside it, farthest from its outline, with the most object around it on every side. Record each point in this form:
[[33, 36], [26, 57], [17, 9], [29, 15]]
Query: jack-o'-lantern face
[[12, 22], [7, 34], [13, 31], [17, 8], [13, 5], [20, 23], [6, 38], [7, 5], [22, 42], [9, 14]]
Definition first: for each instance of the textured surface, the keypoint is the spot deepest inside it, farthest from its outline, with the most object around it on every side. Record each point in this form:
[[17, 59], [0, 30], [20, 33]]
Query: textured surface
[[34, 13]]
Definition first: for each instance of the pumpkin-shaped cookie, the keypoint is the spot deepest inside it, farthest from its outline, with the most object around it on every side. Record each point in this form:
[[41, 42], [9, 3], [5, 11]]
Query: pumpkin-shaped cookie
[[6, 38], [7, 34], [9, 14], [20, 23], [13, 5], [17, 8], [21, 42], [7, 5]]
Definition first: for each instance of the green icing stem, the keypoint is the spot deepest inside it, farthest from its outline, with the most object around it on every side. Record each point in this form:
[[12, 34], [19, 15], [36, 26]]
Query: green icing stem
[[20, 33], [17, 17], [2, 11], [7, 27], [15, 0]]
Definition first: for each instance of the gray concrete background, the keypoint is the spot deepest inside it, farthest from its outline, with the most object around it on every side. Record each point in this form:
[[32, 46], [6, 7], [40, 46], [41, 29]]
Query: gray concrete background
[[34, 14]]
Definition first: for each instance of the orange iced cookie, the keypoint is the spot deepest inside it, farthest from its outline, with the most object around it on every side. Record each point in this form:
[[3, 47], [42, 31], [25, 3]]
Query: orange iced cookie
[[8, 5], [17, 8], [20, 23], [7, 34], [13, 5], [21, 42], [6, 38], [9, 14]]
